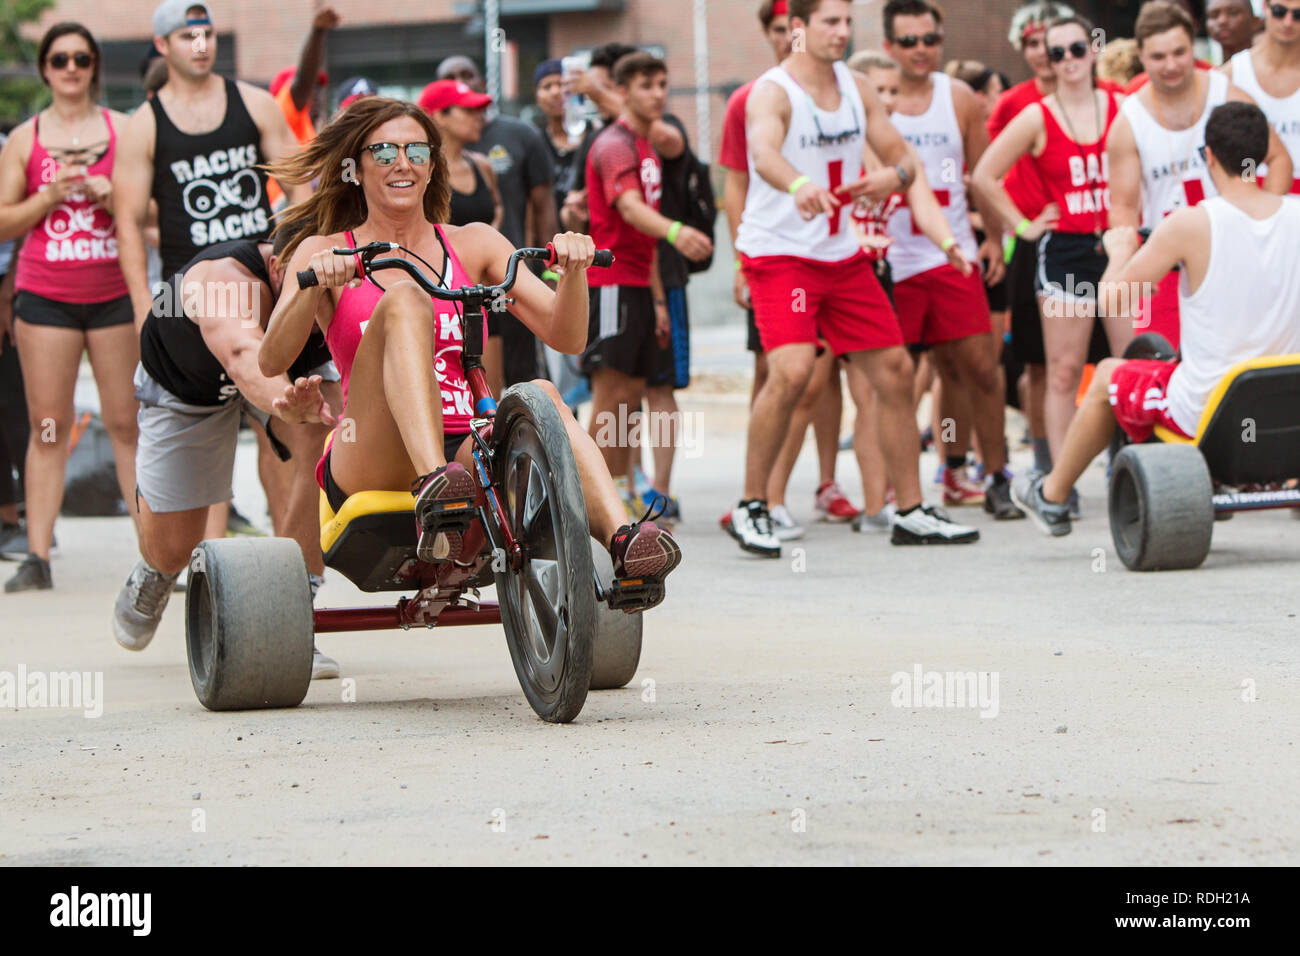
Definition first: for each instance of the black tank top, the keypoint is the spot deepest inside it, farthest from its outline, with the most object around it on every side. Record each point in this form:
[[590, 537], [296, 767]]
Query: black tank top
[[478, 206], [172, 349], [207, 188]]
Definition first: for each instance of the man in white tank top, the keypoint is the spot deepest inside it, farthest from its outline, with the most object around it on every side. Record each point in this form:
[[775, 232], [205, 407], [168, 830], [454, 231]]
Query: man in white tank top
[[937, 306], [1240, 297], [1153, 150], [1270, 74], [806, 123]]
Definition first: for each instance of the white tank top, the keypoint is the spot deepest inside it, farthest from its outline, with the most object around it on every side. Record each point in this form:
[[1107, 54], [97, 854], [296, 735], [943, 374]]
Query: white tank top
[[1283, 114], [1228, 320], [936, 137], [1173, 174], [827, 148]]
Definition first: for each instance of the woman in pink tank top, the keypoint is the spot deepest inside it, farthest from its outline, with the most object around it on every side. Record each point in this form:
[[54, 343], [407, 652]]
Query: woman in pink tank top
[[56, 191], [406, 404]]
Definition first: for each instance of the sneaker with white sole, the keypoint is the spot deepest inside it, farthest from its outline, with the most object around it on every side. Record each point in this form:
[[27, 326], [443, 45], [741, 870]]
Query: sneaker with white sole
[[831, 504], [1052, 518], [323, 667], [751, 525], [928, 525], [140, 605], [879, 523], [783, 524], [958, 489]]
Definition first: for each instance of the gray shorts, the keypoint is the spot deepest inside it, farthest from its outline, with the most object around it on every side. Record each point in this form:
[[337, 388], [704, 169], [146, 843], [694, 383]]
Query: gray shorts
[[185, 457]]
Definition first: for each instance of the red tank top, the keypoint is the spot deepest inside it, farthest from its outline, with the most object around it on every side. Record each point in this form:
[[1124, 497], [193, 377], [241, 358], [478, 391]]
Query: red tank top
[[352, 315], [1077, 177], [71, 254]]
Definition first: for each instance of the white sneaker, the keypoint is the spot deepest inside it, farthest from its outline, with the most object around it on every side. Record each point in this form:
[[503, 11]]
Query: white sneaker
[[751, 525], [878, 523], [322, 667], [929, 525], [784, 526]]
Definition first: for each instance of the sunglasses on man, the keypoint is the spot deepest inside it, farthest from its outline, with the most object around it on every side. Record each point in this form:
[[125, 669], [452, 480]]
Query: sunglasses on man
[[59, 61], [1279, 12], [911, 40], [1078, 50], [385, 154]]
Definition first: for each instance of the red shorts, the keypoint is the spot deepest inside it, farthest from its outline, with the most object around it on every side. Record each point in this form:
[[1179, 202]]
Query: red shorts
[[1160, 312], [941, 305], [1137, 394], [798, 301]]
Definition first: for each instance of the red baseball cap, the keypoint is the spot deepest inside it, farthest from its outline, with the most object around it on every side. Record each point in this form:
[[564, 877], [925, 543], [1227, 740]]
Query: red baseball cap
[[444, 93], [288, 73]]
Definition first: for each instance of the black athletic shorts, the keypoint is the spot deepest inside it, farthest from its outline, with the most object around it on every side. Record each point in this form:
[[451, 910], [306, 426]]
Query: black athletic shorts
[[336, 496], [1069, 266], [997, 294], [621, 332], [1026, 320], [82, 316], [755, 343]]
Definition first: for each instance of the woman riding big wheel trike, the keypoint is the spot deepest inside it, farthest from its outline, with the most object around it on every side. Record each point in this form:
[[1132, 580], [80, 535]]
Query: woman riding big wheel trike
[[504, 495]]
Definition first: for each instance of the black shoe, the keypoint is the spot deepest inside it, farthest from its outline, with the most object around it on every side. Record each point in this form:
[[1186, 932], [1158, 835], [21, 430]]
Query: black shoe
[[643, 555], [32, 575], [13, 542], [998, 503]]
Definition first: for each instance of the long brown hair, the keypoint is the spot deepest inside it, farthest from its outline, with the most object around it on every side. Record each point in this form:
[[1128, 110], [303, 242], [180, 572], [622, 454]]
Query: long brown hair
[[332, 158]]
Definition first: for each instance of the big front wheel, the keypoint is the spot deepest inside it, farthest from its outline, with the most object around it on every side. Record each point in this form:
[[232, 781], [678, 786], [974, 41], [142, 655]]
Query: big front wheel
[[548, 604]]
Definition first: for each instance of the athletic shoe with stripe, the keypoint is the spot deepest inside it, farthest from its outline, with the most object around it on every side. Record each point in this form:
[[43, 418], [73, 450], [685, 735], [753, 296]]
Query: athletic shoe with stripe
[[444, 510], [928, 525]]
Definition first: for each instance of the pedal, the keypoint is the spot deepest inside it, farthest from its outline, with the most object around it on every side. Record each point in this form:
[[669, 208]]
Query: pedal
[[634, 594], [451, 514]]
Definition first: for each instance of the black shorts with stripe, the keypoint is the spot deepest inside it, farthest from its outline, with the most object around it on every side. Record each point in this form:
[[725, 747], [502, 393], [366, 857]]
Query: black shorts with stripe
[[621, 332]]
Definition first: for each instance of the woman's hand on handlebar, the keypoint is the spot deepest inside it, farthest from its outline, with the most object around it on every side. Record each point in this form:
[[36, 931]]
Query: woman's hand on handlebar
[[333, 271], [572, 250]]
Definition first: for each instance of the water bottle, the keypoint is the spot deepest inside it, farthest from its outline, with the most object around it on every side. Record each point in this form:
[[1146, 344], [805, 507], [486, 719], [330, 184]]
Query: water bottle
[[575, 104]]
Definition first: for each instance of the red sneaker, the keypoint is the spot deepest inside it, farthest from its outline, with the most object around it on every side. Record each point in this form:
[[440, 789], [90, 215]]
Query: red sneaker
[[643, 555], [960, 490], [832, 505]]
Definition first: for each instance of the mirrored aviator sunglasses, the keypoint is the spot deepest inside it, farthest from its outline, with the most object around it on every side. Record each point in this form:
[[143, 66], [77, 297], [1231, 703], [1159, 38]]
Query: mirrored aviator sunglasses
[[385, 154]]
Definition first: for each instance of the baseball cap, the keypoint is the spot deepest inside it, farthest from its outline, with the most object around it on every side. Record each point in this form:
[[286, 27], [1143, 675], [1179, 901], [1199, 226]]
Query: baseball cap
[[171, 15], [441, 94], [353, 88], [288, 73], [547, 68]]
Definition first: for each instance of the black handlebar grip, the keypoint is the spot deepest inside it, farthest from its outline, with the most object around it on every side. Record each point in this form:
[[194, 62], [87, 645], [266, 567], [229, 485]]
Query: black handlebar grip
[[604, 258], [306, 279]]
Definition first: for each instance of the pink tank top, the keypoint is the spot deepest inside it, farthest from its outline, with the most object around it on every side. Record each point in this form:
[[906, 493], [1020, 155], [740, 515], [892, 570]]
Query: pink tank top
[[71, 254], [352, 315]]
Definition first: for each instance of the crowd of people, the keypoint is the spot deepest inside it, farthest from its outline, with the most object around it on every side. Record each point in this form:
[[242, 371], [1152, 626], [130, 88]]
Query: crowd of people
[[912, 223]]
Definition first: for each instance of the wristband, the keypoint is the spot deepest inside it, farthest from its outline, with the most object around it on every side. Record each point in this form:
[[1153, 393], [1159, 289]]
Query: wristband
[[1008, 248], [902, 176], [1022, 226], [550, 276], [737, 265], [673, 230], [798, 184], [947, 243]]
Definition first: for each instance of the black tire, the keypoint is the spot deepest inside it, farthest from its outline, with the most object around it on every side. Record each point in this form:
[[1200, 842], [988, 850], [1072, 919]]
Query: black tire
[[1150, 345], [249, 629], [1161, 507], [617, 648], [548, 607]]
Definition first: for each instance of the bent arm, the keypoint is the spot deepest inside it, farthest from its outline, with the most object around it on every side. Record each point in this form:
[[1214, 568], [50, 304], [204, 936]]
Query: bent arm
[[1165, 249], [19, 211], [295, 313], [234, 340], [558, 318], [1018, 139]]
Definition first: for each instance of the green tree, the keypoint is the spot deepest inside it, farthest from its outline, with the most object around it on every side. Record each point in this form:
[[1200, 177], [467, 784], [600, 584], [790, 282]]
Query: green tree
[[21, 90]]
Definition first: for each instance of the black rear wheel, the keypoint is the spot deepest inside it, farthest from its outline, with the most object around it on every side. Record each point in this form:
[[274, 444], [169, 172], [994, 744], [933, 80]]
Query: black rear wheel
[[548, 606]]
